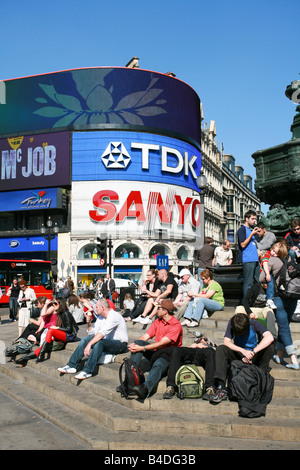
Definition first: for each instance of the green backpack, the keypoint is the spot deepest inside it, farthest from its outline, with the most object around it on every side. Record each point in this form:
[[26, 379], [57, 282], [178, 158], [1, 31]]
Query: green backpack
[[189, 382]]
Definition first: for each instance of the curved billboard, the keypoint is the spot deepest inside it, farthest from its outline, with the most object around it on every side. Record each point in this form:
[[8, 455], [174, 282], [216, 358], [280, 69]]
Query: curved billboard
[[104, 97]]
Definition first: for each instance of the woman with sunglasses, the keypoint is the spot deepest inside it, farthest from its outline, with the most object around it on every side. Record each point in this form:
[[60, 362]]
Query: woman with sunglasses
[[65, 330]]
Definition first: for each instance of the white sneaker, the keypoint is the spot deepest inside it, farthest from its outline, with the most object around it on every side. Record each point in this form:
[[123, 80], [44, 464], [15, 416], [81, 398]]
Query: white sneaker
[[67, 370], [145, 320], [82, 375], [137, 319], [271, 304], [186, 322]]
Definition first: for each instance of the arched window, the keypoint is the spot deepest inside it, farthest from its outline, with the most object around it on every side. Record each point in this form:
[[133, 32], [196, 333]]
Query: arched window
[[128, 250], [159, 250], [183, 253], [88, 252]]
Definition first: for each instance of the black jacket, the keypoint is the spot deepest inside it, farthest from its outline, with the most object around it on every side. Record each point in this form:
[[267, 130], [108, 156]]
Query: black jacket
[[68, 323]]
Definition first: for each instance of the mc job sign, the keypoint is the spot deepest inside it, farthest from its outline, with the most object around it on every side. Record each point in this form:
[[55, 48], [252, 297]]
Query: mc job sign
[[134, 156], [34, 161]]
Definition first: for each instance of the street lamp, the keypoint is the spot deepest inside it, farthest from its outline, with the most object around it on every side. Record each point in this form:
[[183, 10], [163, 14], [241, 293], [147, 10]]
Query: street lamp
[[49, 233], [203, 186]]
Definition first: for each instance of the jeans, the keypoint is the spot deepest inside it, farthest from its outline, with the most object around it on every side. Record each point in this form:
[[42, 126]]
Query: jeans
[[195, 311], [251, 274], [199, 277], [270, 289], [157, 370], [13, 307], [283, 313], [110, 346]]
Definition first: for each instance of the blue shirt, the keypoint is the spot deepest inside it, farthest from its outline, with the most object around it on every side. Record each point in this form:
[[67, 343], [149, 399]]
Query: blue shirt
[[249, 253], [250, 339]]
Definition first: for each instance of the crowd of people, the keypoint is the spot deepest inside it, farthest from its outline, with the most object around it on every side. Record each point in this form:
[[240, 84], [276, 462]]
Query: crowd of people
[[258, 331]]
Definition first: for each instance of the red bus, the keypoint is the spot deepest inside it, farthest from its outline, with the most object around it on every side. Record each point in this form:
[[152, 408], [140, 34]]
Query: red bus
[[36, 273]]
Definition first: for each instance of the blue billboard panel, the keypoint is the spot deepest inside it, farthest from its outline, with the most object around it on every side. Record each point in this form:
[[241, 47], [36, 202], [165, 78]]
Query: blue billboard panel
[[25, 244], [134, 156], [31, 199], [100, 97]]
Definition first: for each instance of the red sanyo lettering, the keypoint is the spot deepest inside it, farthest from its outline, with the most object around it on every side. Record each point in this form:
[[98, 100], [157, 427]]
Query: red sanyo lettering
[[133, 207]]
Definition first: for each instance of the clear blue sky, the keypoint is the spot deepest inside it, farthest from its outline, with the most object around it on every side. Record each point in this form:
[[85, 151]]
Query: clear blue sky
[[238, 55]]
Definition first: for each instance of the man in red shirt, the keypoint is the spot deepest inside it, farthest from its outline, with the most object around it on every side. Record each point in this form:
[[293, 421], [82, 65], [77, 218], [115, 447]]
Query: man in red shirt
[[167, 332]]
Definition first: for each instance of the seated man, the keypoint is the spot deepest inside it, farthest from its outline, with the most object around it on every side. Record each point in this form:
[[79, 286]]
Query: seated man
[[108, 334], [247, 340], [255, 305], [167, 331], [187, 284], [201, 353]]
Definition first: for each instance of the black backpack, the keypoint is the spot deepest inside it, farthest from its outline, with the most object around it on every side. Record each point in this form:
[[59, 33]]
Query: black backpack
[[20, 346], [289, 279], [134, 376]]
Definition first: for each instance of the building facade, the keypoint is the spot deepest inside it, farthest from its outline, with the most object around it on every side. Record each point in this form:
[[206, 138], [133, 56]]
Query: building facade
[[111, 153]]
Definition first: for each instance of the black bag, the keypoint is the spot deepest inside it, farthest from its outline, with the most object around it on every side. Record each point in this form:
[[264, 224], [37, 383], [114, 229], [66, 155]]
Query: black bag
[[134, 376], [21, 346]]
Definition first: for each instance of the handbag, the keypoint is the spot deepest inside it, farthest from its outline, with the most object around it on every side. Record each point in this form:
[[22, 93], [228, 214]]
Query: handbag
[[115, 295]]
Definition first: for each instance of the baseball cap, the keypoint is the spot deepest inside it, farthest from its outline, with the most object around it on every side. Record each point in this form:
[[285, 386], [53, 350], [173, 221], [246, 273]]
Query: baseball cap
[[183, 272], [167, 304]]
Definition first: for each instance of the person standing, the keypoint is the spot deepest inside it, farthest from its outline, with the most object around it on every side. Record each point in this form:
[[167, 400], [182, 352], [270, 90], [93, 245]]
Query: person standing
[[13, 293], [223, 255], [205, 257], [25, 299], [248, 254], [110, 285]]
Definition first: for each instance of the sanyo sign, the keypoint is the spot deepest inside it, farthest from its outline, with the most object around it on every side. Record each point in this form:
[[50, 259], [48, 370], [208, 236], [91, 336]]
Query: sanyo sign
[[134, 156]]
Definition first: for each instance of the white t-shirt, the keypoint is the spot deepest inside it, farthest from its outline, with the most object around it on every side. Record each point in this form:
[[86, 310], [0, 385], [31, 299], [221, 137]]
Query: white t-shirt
[[222, 256]]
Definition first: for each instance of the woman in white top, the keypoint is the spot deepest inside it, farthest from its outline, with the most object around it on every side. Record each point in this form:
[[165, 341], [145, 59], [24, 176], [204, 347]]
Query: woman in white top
[[25, 299]]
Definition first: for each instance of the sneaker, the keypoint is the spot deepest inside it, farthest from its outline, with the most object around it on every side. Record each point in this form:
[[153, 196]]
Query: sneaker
[[186, 322], [137, 319], [67, 370], [271, 304], [82, 375], [169, 393], [219, 396], [209, 392], [145, 320], [193, 324]]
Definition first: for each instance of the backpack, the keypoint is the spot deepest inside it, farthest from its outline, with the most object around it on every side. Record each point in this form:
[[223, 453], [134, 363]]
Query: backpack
[[21, 346], [189, 382], [289, 279], [134, 376]]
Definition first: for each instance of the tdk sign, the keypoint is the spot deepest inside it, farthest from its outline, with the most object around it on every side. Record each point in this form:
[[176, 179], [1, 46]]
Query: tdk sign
[[134, 156]]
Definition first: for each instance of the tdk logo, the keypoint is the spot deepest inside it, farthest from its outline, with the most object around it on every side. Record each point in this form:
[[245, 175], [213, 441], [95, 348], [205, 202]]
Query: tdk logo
[[116, 156]]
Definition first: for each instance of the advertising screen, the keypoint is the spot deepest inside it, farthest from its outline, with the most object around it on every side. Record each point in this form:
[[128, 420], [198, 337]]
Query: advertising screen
[[35, 161], [134, 156], [105, 97], [140, 210]]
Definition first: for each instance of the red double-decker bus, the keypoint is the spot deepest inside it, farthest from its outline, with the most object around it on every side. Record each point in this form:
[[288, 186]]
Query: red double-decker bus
[[36, 273]]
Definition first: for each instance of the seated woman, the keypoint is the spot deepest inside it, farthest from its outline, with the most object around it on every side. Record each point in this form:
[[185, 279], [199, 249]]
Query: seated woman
[[32, 331], [65, 331], [149, 291], [76, 309], [210, 298]]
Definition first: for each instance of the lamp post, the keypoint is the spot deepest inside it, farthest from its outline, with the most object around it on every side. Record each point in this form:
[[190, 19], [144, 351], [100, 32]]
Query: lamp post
[[49, 233], [203, 186]]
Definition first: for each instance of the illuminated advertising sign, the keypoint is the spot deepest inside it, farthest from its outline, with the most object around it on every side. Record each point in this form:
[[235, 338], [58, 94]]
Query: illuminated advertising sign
[[100, 97], [34, 161], [25, 244], [134, 156], [31, 199], [143, 210]]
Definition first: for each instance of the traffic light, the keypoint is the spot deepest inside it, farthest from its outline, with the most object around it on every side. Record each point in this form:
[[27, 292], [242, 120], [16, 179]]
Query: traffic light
[[102, 251]]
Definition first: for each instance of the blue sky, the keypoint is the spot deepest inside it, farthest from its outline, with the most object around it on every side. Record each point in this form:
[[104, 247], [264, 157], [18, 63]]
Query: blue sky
[[238, 56]]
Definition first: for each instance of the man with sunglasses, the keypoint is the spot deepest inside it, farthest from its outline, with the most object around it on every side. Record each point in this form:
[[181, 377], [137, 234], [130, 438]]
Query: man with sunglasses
[[167, 333], [293, 239]]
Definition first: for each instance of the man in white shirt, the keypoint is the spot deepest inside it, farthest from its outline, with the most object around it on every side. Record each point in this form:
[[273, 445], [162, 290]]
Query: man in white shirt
[[223, 255], [108, 334], [187, 284]]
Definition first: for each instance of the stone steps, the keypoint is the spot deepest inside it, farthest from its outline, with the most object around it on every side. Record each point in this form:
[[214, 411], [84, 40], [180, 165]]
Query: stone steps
[[93, 412]]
